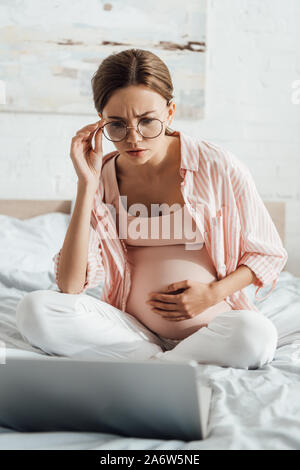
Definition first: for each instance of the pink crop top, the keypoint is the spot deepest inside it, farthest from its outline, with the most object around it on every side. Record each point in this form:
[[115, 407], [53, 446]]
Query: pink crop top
[[161, 250]]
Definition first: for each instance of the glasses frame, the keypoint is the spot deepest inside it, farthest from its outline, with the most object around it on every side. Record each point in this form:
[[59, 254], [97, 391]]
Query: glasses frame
[[136, 128]]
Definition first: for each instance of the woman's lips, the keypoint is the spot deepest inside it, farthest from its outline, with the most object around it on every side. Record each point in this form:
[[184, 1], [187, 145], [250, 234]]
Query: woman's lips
[[136, 152]]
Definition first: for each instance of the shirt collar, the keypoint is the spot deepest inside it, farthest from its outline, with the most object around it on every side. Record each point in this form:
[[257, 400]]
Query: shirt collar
[[189, 151]]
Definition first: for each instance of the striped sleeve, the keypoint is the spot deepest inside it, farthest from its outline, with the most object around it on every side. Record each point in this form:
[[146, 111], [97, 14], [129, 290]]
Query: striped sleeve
[[95, 273], [262, 249]]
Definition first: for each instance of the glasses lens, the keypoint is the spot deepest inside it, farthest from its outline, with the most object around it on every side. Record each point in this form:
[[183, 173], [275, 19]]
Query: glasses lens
[[148, 128], [115, 131]]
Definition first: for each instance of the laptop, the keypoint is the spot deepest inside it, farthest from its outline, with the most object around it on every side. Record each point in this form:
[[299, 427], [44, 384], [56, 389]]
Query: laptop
[[132, 398]]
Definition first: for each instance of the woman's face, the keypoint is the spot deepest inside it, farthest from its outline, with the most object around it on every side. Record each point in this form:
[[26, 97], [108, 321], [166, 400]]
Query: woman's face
[[126, 104]]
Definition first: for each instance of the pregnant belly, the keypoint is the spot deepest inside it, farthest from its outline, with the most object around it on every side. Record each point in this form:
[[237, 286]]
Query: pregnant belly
[[153, 268]]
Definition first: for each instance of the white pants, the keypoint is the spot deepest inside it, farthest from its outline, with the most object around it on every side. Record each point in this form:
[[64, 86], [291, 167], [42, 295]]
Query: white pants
[[81, 326]]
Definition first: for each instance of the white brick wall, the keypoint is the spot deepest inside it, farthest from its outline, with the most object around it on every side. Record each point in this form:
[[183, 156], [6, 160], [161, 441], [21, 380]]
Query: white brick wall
[[253, 59]]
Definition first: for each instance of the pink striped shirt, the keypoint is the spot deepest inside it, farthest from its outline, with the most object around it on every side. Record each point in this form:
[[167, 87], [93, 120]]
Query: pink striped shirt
[[219, 192]]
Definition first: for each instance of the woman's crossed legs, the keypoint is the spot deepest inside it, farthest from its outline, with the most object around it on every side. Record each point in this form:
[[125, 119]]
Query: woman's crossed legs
[[81, 326]]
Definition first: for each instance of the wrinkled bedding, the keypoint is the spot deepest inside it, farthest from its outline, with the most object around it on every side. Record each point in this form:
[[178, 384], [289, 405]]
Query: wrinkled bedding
[[256, 409]]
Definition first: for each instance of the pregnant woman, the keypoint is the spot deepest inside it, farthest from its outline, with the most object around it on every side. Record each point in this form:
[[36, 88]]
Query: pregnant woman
[[174, 227]]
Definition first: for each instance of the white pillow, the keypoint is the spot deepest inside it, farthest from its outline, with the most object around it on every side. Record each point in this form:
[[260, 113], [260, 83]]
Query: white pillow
[[30, 244]]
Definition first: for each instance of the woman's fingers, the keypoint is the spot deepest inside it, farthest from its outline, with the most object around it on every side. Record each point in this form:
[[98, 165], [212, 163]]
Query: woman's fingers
[[98, 140], [95, 133], [88, 134], [89, 126]]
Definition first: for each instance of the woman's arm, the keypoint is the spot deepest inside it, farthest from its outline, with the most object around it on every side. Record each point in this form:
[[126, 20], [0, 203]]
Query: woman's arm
[[262, 248], [262, 254], [77, 262], [240, 278]]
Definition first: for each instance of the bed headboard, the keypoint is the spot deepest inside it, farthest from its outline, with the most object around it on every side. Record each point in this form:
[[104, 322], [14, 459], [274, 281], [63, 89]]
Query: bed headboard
[[24, 209]]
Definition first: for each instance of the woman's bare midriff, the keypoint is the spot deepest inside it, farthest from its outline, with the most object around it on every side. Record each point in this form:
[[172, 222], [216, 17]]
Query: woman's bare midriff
[[153, 267]]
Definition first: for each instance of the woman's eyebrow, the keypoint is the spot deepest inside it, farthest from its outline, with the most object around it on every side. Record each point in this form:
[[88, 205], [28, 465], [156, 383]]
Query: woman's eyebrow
[[137, 115]]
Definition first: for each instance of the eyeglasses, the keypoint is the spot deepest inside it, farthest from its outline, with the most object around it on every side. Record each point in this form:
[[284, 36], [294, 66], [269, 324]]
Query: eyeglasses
[[117, 130]]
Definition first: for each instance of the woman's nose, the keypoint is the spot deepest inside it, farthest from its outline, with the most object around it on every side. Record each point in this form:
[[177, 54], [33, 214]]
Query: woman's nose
[[133, 134]]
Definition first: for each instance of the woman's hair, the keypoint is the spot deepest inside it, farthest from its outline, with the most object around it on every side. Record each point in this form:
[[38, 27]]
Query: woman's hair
[[131, 67]]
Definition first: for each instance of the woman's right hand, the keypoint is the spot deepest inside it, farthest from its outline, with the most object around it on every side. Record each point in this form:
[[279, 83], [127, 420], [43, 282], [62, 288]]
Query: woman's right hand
[[86, 160]]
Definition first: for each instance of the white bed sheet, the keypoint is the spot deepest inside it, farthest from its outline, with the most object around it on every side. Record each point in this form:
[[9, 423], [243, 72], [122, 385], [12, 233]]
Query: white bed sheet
[[256, 409]]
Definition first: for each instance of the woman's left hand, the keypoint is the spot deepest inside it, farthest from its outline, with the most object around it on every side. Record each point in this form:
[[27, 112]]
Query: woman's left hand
[[194, 297]]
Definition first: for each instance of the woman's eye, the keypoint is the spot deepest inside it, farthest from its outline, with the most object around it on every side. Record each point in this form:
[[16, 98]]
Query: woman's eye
[[117, 124], [146, 121]]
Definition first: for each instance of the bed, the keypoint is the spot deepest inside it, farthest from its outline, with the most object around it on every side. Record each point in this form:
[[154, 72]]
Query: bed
[[256, 409]]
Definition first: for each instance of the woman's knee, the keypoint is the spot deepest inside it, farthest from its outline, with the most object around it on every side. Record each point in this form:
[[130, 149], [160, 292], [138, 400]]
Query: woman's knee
[[255, 337], [30, 312]]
